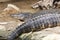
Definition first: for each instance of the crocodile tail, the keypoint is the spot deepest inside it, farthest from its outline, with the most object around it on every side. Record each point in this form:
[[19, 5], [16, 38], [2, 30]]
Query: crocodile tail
[[24, 28]]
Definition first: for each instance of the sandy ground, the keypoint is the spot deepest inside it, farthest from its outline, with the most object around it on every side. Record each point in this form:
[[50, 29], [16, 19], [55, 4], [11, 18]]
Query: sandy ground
[[24, 5]]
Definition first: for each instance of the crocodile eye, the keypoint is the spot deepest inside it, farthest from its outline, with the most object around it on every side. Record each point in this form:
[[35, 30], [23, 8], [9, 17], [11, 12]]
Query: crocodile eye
[[21, 20]]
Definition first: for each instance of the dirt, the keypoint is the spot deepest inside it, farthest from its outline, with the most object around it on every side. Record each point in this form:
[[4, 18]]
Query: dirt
[[24, 5]]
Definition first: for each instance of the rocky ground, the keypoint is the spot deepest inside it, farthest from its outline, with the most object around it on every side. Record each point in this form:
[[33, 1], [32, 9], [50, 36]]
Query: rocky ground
[[7, 23], [46, 34]]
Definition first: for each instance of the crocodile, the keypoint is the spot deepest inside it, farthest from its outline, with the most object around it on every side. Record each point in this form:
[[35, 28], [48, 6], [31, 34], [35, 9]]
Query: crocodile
[[27, 15], [36, 24]]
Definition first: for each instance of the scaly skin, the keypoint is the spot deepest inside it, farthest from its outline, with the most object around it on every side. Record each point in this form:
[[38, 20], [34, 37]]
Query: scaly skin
[[36, 24], [26, 16]]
